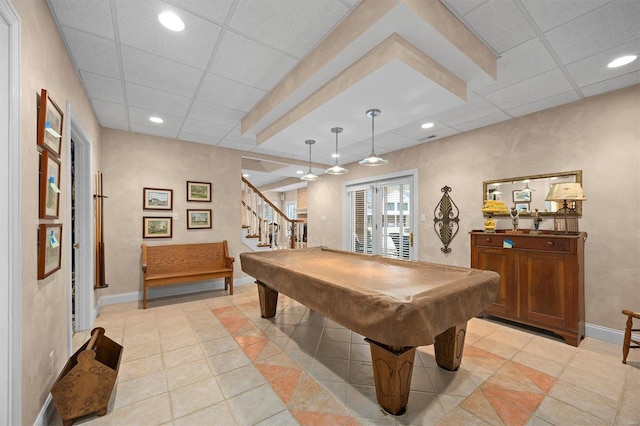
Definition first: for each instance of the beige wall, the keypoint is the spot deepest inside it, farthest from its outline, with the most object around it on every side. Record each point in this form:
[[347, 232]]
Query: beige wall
[[133, 161], [599, 135], [45, 64]]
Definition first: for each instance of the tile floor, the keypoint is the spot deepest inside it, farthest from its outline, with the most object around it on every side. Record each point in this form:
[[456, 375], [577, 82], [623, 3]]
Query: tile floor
[[210, 359]]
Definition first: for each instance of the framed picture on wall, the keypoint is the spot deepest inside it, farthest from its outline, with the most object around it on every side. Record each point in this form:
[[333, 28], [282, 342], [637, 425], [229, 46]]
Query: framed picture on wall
[[521, 196], [198, 191], [49, 249], [199, 219], [49, 124], [157, 199], [522, 207], [49, 186], [157, 227]]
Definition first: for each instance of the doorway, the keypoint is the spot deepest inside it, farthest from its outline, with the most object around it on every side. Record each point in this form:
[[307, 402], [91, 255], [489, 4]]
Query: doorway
[[381, 217], [80, 207]]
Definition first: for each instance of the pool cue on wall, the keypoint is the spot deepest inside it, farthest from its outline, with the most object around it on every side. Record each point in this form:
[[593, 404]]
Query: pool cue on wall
[[99, 197]]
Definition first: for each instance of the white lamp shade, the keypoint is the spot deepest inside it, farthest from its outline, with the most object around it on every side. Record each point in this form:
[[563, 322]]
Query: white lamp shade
[[570, 191]]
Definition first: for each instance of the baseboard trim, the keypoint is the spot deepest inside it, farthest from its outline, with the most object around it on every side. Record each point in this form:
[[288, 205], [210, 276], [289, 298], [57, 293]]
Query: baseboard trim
[[46, 413], [155, 293], [607, 334]]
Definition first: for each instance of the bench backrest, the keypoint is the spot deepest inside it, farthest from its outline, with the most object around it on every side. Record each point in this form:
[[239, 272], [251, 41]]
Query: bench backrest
[[176, 258]]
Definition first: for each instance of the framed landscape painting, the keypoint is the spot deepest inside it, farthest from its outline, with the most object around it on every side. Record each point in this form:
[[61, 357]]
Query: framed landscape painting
[[49, 124], [156, 227], [199, 219], [49, 249], [199, 191], [49, 202], [157, 199]]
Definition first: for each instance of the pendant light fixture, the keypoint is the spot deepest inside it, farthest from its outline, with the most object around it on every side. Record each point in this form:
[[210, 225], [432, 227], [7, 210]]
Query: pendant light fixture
[[336, 169], [310, 176], [373, 159]]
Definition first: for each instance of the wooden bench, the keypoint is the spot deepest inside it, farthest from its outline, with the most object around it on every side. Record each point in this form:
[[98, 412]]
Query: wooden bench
[[182, 263]]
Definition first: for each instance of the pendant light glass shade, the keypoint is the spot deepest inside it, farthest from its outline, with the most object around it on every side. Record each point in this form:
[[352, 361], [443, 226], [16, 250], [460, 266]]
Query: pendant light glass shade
[[336, 169], [373, 159], [310, 176]]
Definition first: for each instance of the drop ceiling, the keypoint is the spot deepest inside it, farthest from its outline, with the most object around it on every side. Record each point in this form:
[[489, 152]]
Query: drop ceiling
[[210, 83]]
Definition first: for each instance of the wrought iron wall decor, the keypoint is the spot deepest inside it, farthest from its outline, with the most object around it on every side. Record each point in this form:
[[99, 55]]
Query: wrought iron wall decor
[[445, 219]]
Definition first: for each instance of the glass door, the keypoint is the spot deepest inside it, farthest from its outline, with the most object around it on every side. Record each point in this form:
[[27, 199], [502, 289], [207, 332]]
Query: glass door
[[381, 219]]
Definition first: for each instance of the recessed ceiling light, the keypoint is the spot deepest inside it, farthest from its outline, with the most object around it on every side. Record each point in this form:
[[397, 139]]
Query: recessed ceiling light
[[299, 172], [334, 155], [427, 125], [245, 175], [156, 120], [621, 61], [171, 21]]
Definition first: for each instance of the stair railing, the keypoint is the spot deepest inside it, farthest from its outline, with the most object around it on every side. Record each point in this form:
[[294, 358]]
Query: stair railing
[[265, 221]]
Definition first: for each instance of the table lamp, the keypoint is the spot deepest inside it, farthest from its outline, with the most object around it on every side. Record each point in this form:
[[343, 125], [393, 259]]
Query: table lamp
[[566, 218]]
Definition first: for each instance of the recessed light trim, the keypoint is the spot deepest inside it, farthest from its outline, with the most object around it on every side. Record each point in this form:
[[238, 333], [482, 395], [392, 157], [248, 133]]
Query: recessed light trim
[[299, 172], [156, 120], [171, 21], [622, 61], [427, 125]]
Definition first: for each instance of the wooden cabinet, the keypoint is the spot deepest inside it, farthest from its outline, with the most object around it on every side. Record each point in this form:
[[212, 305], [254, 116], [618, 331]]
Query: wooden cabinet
[[541, 279]]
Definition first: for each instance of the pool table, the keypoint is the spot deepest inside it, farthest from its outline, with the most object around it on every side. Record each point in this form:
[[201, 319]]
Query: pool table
[[396, 304]]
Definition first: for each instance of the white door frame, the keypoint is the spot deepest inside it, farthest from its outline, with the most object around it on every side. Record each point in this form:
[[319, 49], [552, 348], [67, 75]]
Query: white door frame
[[10, 219], [346, 212], [84, 225]]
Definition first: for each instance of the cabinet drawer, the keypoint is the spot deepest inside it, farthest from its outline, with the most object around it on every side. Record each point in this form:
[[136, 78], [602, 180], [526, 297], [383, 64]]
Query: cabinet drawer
[[538, 242]]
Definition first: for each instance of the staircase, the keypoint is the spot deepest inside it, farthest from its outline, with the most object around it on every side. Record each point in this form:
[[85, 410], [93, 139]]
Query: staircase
[[265, 226]]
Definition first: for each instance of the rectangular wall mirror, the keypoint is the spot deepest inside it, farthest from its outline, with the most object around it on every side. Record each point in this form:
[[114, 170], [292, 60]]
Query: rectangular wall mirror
[[528, 193]]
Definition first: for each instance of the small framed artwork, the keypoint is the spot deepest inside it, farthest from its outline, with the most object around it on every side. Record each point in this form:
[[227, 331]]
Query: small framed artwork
[[522, 207], [157, 199], [198, 191], [49, 124], [156, 227], [49, 186], [521, 196], [199, 219], [49, 249]]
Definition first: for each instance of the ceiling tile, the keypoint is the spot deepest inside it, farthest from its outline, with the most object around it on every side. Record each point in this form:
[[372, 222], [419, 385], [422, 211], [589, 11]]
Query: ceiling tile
[[520, 63], [487, 120], [475, 108], [228, 93], [90, 16], [215, 11], [235, 136], [549, 14], [114, 124], [200, 128], [209, 113], [139, 119], [92, 53], [594, 68], [103, 88], [156, 100], [539, 87], [110, 110], [228, 143], [462, 7], [307, 22], [500, 24], [248, 62], [153, 71], [193, 137], [140, 28], [545, 103], [612, 25], [416, 132], [612, 84]]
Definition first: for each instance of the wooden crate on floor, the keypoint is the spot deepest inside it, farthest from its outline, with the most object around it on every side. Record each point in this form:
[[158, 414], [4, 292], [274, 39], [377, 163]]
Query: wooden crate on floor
[[85, 384]]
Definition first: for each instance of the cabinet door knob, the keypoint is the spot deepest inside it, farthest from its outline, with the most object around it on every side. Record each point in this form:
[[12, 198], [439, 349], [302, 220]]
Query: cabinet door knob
[[550, 243], [488, 239]]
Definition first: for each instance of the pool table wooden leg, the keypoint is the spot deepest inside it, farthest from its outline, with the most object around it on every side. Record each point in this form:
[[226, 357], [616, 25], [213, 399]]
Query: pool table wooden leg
[[449, 346], [268, 300], [392, 369]]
